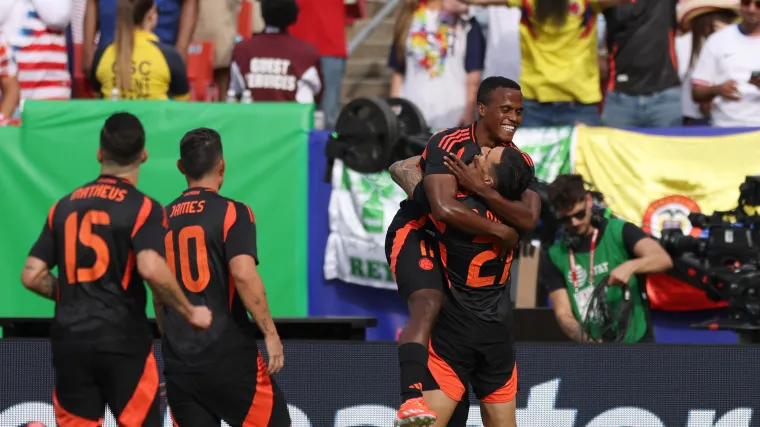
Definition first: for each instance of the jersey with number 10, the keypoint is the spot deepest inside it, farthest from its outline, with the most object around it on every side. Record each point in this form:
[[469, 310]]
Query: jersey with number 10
[[206, 231], [93, 235]]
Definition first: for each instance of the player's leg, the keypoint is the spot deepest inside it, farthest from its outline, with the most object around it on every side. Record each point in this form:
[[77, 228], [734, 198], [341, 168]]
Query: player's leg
[[495, 384], [129, 381], [76, 397], [185, 409]]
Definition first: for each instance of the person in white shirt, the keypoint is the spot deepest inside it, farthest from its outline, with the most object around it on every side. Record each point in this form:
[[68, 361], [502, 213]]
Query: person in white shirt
[[728, 71], [698, 19]]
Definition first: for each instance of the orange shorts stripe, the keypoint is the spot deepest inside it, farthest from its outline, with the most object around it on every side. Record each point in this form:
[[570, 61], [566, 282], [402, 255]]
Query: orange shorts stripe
[[263, 401], [400, 238], [142, 399], [447, 379], [65, 418], [505, 393]]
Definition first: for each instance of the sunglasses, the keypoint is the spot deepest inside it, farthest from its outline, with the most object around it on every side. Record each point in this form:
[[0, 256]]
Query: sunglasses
[[749, 2], [578, 215]]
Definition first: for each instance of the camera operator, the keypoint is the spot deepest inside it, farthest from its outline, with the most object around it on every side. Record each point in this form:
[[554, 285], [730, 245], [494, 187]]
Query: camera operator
[[620, 252]]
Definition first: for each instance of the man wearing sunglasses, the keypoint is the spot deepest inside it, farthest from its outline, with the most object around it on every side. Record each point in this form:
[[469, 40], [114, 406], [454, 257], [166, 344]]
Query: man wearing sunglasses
[[727, 73], [619, 252]]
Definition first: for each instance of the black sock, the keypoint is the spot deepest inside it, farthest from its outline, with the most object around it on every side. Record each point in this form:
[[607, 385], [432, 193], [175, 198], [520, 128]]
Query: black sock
[[413, 358]]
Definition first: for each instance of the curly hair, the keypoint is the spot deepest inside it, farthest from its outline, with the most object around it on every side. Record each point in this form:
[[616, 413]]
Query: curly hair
[[566, 191], [513, 173]]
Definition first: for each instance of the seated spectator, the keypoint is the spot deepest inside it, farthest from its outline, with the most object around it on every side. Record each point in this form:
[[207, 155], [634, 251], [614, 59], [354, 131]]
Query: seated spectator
[[437, 58], [175, 25], [728, 71], [137, 64], [698, 20], [36, 32], [276, 66], [8, 83]]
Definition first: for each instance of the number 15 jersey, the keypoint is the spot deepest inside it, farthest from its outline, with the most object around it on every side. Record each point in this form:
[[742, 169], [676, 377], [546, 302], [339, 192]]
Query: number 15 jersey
[[93, 235], [206, 231]]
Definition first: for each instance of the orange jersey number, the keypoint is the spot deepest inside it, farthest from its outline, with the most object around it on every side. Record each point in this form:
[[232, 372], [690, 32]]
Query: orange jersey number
[[74, 233], [196, 233], [474, 278]]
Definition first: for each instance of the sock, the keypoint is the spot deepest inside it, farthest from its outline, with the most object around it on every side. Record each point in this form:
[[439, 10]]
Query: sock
[[413, 358]]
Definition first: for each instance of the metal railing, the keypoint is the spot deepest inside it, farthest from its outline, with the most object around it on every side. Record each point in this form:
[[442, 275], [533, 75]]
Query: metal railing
[[372, 26]]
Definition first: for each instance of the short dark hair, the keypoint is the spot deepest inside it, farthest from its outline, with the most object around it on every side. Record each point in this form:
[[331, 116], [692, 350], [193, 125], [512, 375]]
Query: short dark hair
[[490, 84], [199, 151], [513, 173], [566, 191], [279, 13], [122, 139]]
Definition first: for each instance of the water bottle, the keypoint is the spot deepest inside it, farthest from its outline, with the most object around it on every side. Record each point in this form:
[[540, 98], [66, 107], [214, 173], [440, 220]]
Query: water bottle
[[231, 97], [246, 98], [319, 120], [115, 94]]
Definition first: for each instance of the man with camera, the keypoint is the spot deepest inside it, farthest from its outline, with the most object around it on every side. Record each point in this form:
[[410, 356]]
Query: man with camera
[[606, 303]]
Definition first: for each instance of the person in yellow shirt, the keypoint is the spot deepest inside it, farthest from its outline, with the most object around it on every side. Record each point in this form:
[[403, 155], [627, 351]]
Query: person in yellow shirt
[[136, 63], [559, 68]]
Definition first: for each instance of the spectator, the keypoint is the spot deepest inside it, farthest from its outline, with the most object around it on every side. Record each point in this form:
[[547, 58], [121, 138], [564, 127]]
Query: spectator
[[323, 24], [8, 83], [728, 71], [137, 64], [176, 22], [437, 57], [559, 70], [643, 88], [698, 19], [502, 43], [218, 22], [276, 66], [36, 32]]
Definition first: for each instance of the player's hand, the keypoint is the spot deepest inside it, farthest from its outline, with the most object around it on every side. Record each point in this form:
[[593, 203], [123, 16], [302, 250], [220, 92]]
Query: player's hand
[[276, 355], [728, 90], [469, 177], [200, 317], [621, 274]]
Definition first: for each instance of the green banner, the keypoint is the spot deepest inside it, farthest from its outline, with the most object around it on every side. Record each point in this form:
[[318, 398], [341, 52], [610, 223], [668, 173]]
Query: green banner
[[550, 149], [265, 146]]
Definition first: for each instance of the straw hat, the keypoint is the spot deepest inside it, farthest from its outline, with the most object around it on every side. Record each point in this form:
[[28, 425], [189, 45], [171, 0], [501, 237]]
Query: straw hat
[[690, 9]]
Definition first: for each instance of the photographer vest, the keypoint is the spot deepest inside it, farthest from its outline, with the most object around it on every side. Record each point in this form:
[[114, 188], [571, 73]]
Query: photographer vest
[[608, 253]]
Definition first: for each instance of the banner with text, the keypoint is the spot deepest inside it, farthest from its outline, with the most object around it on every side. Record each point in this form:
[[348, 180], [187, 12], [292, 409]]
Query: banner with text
[[363, 205], [614, 386]]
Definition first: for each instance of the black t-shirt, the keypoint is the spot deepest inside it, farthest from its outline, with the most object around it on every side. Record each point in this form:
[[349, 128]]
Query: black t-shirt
[[206, 231], [554, 279], [93, 235], [640, 39]]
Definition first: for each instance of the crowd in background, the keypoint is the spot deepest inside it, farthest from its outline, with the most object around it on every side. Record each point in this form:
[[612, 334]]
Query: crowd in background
[[617, 63]]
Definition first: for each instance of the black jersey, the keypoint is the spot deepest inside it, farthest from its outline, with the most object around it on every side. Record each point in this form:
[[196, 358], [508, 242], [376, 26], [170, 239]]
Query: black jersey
[[206, 231], [93, 236]]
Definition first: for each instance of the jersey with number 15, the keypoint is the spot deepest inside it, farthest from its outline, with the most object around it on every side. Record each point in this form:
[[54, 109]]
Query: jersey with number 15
[[93, 235], [206, 231]]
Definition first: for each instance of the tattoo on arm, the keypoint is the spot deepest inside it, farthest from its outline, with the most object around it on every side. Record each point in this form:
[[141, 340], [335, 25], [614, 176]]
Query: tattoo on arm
[[406, 174], [45, 286]]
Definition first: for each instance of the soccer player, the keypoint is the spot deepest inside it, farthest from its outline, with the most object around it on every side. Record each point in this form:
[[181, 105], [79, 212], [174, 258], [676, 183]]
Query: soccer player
[[472, 340], [106, 237], [415, 268], [218, 374]]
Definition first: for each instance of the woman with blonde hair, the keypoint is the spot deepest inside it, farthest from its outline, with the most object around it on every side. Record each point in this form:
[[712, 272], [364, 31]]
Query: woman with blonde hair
[[136, 65]]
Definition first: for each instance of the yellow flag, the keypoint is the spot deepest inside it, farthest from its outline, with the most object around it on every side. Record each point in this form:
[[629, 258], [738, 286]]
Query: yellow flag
[[655, 181]]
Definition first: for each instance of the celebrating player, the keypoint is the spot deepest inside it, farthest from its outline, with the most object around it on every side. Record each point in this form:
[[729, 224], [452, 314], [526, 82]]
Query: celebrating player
[[106, 237], [418, 275], [218, 374]]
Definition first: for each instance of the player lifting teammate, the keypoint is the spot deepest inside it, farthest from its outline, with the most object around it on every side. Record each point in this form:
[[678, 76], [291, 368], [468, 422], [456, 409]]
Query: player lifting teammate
[[418, 275], [106, 237], [218, 374]]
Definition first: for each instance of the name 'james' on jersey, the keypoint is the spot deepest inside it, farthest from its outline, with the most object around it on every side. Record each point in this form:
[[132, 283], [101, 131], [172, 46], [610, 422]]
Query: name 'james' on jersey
[[206, 231], [93, 235]]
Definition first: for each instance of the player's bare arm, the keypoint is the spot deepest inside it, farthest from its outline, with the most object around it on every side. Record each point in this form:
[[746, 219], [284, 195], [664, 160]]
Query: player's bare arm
[[37, 278], [522, 214], [406, 174], [251, 289], [563, 312], [153, 268], [158, 308], [441, 190]]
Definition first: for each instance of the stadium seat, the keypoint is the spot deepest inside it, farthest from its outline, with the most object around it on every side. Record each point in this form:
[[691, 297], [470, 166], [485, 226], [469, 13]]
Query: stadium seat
[[200, 71]]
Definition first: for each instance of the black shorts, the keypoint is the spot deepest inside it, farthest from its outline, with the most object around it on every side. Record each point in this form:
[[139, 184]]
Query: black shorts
[[466, 350], [239, 391], [410, 249], [87, 379]]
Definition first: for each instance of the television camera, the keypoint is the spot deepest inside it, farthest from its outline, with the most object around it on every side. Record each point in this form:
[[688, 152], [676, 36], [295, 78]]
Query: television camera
[[724, 260]]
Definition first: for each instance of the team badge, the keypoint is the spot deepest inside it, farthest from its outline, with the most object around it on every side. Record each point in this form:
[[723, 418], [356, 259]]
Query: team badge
[[670, 212], [426, 264]]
